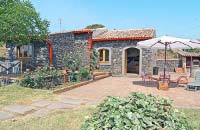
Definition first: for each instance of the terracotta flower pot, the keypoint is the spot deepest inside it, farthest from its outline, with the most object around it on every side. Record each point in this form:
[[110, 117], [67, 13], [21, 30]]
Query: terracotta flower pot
[[27, 70], [67, 69], [39, 67], [64, 71]]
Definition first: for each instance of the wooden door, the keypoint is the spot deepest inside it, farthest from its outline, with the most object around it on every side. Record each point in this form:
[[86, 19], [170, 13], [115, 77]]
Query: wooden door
[[125, 62]]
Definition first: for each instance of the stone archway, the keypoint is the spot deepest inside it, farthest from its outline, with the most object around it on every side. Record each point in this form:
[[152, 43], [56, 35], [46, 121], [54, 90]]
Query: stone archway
[[132, 60]]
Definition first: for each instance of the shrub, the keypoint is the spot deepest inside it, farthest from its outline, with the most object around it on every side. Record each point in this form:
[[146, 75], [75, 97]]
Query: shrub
[[93, 60], [43, 78], [84, 73], [28, 81], [136, 112]]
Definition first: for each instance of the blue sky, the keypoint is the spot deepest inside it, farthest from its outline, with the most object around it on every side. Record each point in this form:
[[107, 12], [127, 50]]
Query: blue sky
[[179, 18]]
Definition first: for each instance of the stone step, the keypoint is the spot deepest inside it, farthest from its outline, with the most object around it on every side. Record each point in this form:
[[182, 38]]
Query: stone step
[[101, 77], [133, 75], [99, 73], [59, 105], [43, 103], [19, 109], [41, 112], [6, 116], [73, 101]]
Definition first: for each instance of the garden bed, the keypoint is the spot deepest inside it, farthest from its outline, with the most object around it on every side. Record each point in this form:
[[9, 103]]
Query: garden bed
[[76, 85]]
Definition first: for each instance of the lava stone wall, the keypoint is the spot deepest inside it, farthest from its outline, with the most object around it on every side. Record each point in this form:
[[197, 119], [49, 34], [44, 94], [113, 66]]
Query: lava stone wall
[[148, 60], [40, 54], [64, 43], [170, 64], [11, 53], [117, 48]]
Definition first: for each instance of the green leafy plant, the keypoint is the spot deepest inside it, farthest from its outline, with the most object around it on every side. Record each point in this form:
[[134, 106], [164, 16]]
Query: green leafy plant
[[28, 81], [84, 73], [94, 26], [93, 60], [43, 78], [72, 60], [20, 23], [136, 112]]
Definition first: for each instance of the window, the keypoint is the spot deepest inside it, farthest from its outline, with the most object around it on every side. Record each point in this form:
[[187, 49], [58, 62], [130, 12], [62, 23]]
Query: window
[[104, 55], [24, 51]]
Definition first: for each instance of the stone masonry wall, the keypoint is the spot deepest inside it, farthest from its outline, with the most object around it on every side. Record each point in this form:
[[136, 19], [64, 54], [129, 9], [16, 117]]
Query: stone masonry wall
[[11, 53], [40, 54], [68, 42], [117, 48], [148, 60]]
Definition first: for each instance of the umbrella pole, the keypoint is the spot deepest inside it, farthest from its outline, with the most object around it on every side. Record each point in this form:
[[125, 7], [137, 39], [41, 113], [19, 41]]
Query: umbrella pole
[[165, 61]]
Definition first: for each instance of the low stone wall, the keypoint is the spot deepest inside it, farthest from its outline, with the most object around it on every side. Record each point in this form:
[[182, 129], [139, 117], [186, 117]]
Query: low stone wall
[[170, 65]]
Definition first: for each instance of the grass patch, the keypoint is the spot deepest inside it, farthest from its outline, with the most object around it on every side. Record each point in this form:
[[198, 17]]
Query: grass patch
[[193, 117], [67, 120], [14, 94]]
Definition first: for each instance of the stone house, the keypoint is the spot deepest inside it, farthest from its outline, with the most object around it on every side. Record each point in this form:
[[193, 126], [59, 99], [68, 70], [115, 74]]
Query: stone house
[[117, 49]]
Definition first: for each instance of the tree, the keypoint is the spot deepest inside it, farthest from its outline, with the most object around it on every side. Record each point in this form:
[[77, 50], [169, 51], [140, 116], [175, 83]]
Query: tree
[[94, 26], [20, 23]]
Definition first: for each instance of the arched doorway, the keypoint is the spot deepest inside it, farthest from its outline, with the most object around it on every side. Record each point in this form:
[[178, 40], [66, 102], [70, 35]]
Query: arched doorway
[[132, 61]]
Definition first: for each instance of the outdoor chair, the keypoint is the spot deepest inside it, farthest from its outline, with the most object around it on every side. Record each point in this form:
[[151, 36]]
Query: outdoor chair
[[166, 78], [179, 70], [196, 84], [183, 80], [145, 77]]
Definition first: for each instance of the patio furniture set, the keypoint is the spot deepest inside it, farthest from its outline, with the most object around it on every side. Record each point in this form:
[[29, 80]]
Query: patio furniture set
[[180, 79]]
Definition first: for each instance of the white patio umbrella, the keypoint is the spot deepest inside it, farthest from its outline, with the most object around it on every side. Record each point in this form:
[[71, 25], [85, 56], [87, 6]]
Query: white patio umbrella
[[166, 42]]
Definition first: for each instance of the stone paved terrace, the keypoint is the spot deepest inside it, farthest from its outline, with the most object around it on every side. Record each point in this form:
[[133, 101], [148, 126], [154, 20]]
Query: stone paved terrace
[[122, 86]]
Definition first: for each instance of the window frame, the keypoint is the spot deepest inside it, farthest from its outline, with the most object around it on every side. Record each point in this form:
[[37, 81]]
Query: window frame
[[104, 62], [28, 50]]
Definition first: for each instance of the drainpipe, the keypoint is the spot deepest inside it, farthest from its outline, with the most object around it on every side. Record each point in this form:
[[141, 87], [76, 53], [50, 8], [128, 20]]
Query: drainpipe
[[49, 42]]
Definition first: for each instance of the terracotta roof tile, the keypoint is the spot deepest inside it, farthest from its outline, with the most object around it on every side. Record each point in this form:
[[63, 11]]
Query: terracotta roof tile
[[127, 33], [184, 53]]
